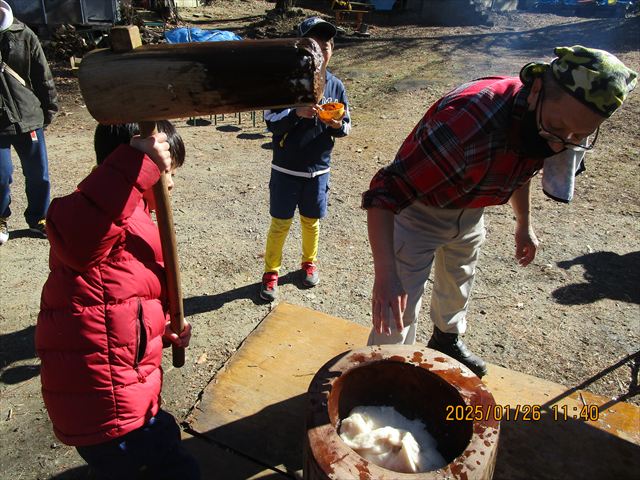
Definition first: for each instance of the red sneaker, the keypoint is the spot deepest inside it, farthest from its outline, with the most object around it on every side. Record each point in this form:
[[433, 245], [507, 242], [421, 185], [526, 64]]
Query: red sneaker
[[269, 287], [311, 276]]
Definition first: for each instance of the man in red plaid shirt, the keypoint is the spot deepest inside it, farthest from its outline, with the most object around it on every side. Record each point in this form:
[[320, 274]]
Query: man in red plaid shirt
[[478, 146]]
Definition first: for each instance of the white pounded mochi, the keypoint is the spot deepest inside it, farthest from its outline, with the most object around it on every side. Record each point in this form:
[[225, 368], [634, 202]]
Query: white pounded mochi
[[384, 437]]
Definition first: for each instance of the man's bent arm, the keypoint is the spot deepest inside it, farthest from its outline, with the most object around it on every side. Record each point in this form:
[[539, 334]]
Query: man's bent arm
[[380, 228], [521, 204], [388, 300], [525, 237]]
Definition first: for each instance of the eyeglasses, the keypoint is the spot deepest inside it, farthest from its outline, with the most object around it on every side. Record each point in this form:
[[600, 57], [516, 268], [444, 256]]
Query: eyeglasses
[[587, 143]]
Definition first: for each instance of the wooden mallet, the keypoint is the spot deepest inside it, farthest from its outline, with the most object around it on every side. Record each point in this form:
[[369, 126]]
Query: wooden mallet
[[135, 83]]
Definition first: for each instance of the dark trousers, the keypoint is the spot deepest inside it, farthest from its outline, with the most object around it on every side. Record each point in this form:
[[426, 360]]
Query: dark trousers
[[153, 451], [32, 152]]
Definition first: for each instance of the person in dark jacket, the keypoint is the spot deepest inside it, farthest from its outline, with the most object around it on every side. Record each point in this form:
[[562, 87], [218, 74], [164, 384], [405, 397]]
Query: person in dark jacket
[[27, 106], [103, 318], [302, 145]]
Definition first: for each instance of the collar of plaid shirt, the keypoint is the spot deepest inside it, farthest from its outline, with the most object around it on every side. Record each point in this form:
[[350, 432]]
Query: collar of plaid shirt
[[464, 153]]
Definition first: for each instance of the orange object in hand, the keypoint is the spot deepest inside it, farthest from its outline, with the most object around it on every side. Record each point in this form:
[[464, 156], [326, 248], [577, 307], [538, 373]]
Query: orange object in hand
[[331, 111]]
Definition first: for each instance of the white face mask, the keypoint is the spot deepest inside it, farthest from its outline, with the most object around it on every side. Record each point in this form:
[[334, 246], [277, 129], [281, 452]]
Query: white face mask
[[6, 16]]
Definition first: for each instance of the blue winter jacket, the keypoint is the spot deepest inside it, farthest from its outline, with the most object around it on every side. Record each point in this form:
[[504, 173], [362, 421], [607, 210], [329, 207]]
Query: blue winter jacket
[[302, 146]]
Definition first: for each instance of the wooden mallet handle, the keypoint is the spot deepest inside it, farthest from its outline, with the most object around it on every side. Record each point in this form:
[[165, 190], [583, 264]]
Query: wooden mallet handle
[[164, 217], [123, 39]]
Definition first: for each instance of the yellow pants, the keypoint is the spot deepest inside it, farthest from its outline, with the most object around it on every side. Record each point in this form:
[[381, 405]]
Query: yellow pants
[[278, 231]]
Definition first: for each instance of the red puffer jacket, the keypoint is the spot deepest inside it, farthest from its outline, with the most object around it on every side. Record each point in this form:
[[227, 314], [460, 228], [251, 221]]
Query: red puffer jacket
[[102, 315]]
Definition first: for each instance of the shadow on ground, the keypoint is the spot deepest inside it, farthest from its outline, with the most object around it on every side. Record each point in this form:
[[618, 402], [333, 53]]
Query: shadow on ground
[[207, 303], [619, 35], [607, 275], [15, 347], [541, 449]]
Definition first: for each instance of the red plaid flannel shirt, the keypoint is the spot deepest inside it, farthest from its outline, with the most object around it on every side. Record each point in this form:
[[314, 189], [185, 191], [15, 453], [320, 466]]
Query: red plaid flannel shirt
[[464, 153]]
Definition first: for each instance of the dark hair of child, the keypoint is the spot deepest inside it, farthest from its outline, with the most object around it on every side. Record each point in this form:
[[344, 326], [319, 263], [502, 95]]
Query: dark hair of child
[[107, 138]]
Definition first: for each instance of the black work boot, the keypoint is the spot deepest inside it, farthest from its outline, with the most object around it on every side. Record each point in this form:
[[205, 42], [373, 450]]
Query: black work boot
[[451, 344]]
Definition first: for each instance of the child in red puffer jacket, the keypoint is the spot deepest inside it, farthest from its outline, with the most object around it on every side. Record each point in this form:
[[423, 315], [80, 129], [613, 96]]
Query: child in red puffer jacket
[[103, 320]]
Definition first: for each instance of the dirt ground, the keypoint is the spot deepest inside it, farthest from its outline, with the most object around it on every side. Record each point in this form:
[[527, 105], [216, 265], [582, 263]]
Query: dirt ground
[[566, 318]]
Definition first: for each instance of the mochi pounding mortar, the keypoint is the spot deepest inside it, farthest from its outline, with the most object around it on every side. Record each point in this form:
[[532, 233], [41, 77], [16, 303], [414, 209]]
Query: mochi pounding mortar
[[132, 83], [419, 383]]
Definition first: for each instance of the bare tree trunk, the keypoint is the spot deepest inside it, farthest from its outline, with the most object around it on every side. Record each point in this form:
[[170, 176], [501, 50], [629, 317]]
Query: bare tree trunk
[[284, 5]]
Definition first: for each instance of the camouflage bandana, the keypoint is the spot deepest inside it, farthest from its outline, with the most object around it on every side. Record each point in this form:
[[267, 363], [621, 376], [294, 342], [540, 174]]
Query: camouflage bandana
[[594, 77]]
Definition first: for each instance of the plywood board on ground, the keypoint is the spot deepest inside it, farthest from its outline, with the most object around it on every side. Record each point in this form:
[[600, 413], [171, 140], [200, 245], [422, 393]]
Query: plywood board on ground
[[256, 403], [219, 463], [256, 406]]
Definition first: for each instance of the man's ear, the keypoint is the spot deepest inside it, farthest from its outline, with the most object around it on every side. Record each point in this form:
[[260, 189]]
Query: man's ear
[[536, 86]]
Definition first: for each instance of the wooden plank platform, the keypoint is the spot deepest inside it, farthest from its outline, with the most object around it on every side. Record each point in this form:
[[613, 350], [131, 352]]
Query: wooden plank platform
[[254, 409], [217, 462]]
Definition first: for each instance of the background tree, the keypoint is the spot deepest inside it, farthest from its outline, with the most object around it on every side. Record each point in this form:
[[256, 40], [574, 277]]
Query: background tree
[[284, 5]]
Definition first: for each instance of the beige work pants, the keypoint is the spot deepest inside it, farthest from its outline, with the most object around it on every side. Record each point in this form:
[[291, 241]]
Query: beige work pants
[[453, 238]]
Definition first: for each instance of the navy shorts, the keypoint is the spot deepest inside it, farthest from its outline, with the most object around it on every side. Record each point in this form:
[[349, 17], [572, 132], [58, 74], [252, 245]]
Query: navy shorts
[[286, 192]]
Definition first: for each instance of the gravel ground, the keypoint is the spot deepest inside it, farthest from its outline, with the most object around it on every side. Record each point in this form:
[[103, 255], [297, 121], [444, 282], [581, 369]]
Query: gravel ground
[[566, 318]]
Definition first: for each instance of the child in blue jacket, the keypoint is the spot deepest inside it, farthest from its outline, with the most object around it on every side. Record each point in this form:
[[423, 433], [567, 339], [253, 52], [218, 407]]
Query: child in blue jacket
[[302, 145]]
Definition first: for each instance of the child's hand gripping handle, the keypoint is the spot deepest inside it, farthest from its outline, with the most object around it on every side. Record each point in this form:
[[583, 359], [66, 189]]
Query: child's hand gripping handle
[[164, 217]]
